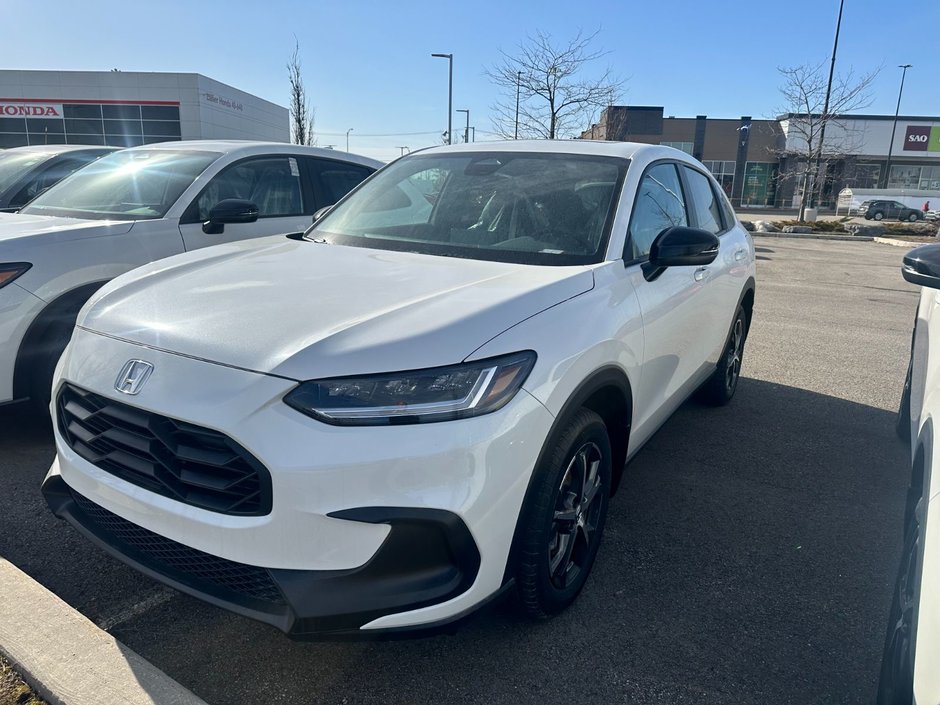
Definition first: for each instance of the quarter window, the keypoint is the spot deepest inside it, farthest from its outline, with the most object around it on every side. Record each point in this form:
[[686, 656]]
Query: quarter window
[[707, 211], [271, 183], [659, 205]]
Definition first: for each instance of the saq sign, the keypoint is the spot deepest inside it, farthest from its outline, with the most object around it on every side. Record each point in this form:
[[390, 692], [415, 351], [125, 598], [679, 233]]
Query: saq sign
[[922, 138], [31, 110]]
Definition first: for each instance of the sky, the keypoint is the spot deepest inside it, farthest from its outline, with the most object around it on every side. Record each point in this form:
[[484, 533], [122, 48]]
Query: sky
[[367, 65]]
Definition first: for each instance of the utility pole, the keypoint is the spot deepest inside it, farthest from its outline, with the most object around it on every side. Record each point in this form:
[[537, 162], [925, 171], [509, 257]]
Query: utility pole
[[904, 68], [466, 132], [403, 150], [518, 86], [825, 117], [450, 94], [347, 138]]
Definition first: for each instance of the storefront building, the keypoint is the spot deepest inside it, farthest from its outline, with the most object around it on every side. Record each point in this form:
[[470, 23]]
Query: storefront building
[[759, 162], [126, 109]]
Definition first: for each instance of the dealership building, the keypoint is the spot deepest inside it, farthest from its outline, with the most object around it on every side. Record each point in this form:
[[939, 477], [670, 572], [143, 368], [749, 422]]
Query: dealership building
[[758, 162], [123, 108]]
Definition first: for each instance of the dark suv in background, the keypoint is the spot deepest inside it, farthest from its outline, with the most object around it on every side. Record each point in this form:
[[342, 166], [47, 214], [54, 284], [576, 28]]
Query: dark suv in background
[[879, 210]]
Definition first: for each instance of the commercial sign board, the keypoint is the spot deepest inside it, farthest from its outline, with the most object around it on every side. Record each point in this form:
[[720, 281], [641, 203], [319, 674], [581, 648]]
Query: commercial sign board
[[922, 138], [30, 110]]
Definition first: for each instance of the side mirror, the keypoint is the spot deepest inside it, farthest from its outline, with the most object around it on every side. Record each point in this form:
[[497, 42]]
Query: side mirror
[[680, 247], [922, 266], [231, 210], [320, 212]]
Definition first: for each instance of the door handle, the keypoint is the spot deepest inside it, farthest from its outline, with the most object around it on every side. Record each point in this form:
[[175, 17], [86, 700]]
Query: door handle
[[740, 255], [701, 274]]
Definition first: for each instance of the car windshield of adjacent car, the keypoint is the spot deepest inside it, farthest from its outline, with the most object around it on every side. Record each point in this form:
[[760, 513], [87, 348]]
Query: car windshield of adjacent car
[[15, 165], [133, 184], [525, 207]]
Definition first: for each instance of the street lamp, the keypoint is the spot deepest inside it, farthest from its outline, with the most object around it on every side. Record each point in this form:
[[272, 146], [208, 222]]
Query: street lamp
[[450, 94], [403, 150], [518, 86], [347, 138], [466, 132], [904, 68]]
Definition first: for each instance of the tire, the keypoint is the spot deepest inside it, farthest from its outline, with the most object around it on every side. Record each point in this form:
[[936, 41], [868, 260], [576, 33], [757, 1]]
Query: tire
[[562, 521], [902, 425], [43, 368], [896, 683], [878, 216], [719, 389], [912, 218]]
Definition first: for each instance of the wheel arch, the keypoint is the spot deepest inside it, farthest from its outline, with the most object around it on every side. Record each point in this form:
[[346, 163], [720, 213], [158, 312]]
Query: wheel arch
[[746, 300], [608, 393], [61, 311]]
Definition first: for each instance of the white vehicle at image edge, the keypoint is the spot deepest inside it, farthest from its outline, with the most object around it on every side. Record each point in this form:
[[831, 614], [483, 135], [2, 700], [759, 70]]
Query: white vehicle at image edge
[[912, 647], [136, 206], [380, 425]]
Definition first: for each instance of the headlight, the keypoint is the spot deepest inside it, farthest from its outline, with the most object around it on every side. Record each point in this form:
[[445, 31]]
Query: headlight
[[11, 270], [418, 396]]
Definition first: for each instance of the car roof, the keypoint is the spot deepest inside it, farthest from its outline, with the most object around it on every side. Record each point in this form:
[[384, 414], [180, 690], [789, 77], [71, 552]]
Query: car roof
[[57, 148], [251, 147], [626, 150]]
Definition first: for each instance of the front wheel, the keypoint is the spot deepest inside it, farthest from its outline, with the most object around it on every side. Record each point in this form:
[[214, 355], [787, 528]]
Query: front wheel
[[563, 517], [879, 215], [721, 386]]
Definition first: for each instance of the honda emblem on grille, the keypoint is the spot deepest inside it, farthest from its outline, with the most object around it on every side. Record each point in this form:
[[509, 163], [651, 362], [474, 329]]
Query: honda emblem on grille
[[132, 377]]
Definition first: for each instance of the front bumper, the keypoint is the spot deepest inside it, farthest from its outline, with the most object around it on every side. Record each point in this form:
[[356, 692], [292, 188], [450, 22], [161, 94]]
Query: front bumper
[[302, 603], [371, 529]]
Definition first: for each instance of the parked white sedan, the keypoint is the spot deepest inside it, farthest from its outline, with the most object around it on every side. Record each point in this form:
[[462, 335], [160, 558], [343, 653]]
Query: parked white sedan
[[136, 206], [420, 403]]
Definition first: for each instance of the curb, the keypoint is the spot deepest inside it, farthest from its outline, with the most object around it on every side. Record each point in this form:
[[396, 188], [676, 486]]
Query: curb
[[70, 661], [809, 236], [899, 243]]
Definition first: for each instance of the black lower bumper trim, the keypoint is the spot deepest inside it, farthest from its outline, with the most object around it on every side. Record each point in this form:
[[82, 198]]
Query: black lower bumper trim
[[428, 557]]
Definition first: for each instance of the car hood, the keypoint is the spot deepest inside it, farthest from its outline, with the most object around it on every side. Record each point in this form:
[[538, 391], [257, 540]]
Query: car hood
[[304, 310], [16, 226]]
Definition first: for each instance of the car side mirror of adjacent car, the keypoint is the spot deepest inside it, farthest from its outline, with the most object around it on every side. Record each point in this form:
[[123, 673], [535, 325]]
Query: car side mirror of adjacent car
[[230, 210], [320, 212], [921, 266], [680, 246]]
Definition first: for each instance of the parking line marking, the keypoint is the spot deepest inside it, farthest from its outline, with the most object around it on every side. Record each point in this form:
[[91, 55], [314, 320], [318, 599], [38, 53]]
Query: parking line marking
[[158, 598]]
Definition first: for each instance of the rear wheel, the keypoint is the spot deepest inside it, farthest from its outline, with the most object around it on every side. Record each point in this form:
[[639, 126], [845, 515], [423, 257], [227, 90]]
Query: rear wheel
[[896, 684], [912, 217], [721, 386], [563, 519]]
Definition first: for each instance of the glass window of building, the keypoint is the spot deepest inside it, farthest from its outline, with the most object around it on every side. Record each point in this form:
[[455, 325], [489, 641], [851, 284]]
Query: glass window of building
[[723, 171], [681, 146]]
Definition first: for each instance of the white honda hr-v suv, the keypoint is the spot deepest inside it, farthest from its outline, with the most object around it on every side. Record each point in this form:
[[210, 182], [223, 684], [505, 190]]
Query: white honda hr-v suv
[[421, 402]]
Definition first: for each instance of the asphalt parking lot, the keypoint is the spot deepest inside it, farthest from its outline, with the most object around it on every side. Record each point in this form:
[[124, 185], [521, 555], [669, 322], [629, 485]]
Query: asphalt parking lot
[[748, 558]]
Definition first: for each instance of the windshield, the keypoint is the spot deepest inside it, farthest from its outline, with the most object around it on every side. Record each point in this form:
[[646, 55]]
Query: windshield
[[133, 184], [15, 166], [533, 208]]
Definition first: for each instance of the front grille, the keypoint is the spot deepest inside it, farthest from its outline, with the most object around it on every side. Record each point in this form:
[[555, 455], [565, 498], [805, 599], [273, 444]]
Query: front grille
[[176, 459], [202, 571]]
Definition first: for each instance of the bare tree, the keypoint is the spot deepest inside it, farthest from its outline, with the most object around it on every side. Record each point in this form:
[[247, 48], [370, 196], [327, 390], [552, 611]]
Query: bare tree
[[554, 99], [301, 114], [817, 135]]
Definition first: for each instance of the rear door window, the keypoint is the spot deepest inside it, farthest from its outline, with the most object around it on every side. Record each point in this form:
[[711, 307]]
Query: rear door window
[[334, 179]]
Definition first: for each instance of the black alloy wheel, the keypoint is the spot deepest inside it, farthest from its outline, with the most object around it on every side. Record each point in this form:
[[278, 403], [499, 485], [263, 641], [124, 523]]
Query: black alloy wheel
[[721, 386], [562, 520], [896, 684]]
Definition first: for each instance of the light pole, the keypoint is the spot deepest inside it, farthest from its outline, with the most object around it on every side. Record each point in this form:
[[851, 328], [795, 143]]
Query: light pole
[[466, 132], [347, 138], [450, 94], [403, 150], [904, 68], [518, 86]]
